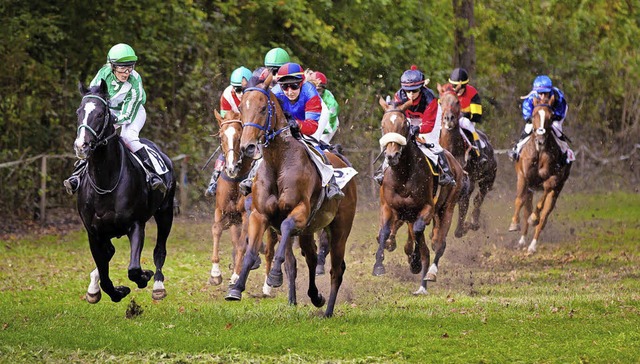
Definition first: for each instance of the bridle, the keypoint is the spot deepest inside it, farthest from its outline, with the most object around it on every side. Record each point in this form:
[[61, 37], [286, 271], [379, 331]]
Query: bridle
[[269, 133], [226, 122], [393, 137], [100, 139]]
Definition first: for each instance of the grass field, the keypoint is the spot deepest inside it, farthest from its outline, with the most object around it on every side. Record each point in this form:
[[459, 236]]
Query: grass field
[[575, 301]]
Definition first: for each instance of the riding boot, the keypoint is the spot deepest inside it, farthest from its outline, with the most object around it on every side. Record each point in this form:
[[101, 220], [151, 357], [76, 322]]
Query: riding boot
[[513, 153], [446, 176], [245, 186], [213, 183], [378, 175], [333, 190], [482, 157], [154, 180], [72, 183]]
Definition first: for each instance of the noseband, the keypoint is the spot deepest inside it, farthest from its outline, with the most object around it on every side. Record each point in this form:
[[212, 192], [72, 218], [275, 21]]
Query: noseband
[[393, 137], [100, 139], [269, 134]]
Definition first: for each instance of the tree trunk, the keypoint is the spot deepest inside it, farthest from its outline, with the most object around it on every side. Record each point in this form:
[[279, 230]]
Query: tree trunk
[[464, 47]]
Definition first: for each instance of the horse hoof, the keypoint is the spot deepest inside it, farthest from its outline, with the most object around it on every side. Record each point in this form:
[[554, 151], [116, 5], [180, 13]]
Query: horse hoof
[[274, 279], [93, 297], [120, 293], [234, 295], [420, 291], [158, 294], [319, 301], [215, 281], [459, 233], [474, 227], [415, 268], [378, 270], [390, 245], [430, 277], [319, 270], [514, 226], [532, 220]]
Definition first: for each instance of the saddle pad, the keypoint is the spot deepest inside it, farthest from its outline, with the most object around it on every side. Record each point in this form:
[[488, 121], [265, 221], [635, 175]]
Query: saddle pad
[[157, 161], [344, 175]]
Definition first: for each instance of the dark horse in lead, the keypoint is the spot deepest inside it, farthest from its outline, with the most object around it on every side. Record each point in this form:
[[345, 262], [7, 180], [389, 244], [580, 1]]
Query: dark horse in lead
[[114, 198]]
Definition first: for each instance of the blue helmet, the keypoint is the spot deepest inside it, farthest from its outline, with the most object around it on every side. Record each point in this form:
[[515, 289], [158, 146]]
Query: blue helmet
[[238, 74], [412, 79], [542, 84]]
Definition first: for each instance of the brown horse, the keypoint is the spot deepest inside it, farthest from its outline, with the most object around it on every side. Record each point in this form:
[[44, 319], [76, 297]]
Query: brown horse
[[407, 195], [230, 211], [288, 196], [483, 175], [540, 167]]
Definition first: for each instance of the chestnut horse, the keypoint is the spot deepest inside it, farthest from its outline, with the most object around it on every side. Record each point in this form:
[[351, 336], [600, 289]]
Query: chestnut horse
[[288, 196], [482, 175], [230, 211], [540, 167], [407, 195]]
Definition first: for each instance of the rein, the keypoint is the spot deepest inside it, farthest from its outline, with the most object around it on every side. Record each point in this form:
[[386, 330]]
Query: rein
[[102, 191], [100, 139], [269, 134]]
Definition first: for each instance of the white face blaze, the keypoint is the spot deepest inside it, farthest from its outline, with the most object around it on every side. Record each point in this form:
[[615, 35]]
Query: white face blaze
[[89, 107], [540, 130], [393, 118], [230, 134]]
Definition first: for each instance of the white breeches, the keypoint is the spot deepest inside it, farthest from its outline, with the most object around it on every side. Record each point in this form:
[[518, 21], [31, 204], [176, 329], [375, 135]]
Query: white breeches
[[130, 132], [323, 122], [465, 123]]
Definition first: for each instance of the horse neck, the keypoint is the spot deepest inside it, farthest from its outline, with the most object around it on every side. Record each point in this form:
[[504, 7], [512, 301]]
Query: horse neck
[[452, 141], [105, 162], [409, 161]]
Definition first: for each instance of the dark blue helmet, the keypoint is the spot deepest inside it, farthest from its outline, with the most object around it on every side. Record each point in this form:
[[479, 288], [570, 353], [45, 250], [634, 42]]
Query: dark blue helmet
[[412, 79], [542, 84]]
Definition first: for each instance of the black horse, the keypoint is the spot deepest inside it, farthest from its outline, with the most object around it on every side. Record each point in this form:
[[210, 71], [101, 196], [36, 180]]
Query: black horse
[[114, 198]]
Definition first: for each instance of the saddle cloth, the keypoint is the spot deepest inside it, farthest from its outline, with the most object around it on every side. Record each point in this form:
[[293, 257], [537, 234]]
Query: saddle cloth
[[156, 159]]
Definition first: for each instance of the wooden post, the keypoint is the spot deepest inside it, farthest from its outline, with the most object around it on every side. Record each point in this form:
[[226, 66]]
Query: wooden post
[[372, 171], [43, 189], [184, 199]]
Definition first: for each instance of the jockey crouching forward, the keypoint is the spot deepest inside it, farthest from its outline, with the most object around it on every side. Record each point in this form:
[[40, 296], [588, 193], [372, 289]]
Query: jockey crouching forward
[[303, 107], [544, 90], [425, 117]]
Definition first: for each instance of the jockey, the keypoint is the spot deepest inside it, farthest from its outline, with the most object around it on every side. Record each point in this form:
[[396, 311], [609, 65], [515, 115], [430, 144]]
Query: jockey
[[126, 100], [229, 101], [470, 106], [424, 115], [542, 89], [320, 81], [302, 105]]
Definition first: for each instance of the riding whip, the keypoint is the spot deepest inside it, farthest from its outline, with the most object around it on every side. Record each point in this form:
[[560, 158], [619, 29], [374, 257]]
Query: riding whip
[[210, 158]]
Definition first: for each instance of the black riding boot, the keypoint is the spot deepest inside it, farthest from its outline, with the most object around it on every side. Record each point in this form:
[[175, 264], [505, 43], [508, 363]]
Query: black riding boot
[[446, 176], [72, 183], [513, 153], [378, 175], [482, 157], [154, 180], [333, 190], [245, 186], [213, 184]]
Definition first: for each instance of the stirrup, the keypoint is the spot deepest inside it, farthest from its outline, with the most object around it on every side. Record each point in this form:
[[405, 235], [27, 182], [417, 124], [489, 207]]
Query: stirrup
[[513, 156], [211, 189], [379, 178], [445, 179], [334, 192], [245, 186], [157, 183]]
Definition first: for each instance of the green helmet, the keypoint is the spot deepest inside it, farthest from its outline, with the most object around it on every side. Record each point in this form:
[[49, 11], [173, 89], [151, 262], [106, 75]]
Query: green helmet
[[121, 55], [276, 58], [238, 74]]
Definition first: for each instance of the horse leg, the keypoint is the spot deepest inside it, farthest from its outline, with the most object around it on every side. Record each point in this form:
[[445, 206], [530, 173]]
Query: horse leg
[[257, 225], [136, 238], [390, 243], [549, 204], [308, 248], [521, 195], [441, 224], [239, 248], [102, 251], [339, 234], [272, 239], [412, 250], [290, 266], [421, 248], [164, 221], [383, 234], [528, 206], [323, 250], [478, 200], [463, 208], [274, 279], [215, 276]]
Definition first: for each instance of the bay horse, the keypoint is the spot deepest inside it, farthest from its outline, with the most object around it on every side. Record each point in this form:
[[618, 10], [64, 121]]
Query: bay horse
[[230, 203], [407, 196], [288, 196], [481, 175], [114, 198], [541, 166]]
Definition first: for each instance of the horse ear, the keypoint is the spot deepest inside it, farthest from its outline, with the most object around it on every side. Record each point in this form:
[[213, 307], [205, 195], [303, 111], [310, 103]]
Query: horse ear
[[104, 90], [83, 90], [383, 103], [440, 88], [218, 117], [406, 105], [267, 82]]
